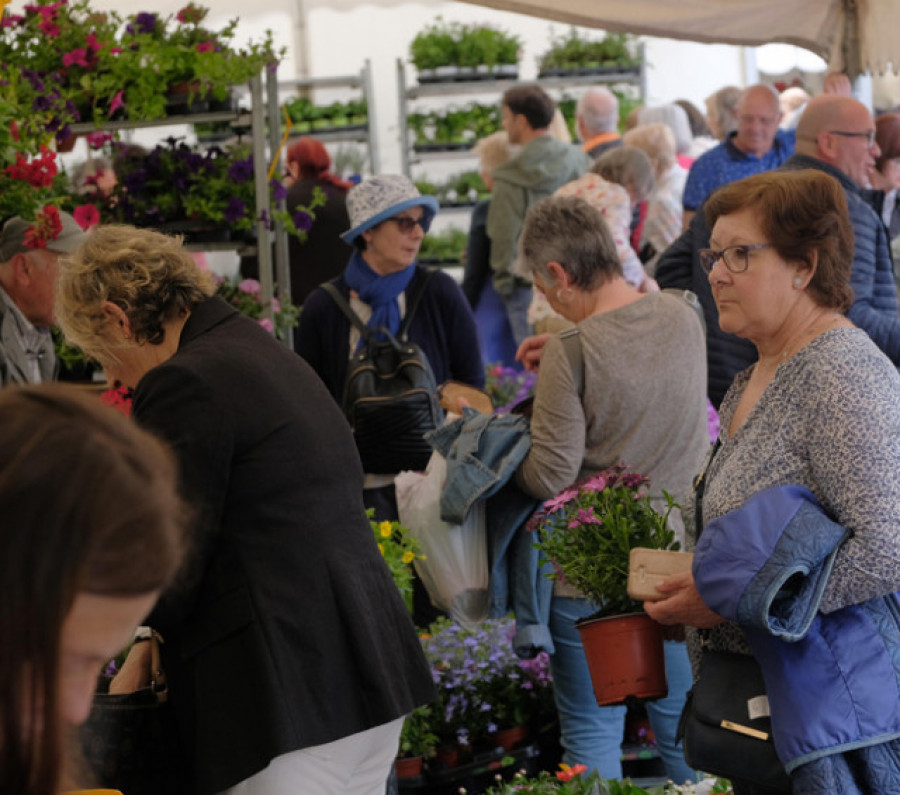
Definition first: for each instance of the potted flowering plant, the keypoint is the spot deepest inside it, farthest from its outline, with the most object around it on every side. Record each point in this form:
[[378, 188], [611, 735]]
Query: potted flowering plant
[[482, 686], [576, 781], [588, 532], [417, 742]]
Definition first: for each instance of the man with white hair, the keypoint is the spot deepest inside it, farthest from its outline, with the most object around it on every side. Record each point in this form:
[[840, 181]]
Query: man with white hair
[[597, 121], [757, 145], [29, 252]]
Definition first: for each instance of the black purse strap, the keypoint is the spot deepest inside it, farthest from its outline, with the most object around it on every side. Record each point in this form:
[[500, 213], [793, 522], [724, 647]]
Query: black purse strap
[[700, 490], [412, 303]]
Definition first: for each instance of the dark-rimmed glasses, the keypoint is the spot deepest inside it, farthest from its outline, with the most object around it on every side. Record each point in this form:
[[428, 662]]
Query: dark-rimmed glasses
[[406, 225], [736, 258], [869, 135]]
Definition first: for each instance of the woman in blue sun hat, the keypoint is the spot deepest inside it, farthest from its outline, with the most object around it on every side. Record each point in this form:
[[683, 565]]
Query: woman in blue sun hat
[[388, 220]]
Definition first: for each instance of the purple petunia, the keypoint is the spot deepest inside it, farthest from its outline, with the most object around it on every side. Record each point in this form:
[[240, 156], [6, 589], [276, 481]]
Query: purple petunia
[[303, 221], [241, 170], [279, 192], [235, 210]]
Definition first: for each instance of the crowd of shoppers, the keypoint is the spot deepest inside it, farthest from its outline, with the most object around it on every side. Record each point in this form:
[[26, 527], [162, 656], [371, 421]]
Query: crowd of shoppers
[[260, 507]]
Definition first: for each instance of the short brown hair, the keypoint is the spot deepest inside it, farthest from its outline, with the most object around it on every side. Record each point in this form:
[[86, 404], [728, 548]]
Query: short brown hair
[[148, 275], [533, 103], [799, 212], [887, 134]]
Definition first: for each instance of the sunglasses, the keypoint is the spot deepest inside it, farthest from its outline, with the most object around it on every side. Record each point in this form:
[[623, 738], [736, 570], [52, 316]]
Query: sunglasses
[[406, 225]]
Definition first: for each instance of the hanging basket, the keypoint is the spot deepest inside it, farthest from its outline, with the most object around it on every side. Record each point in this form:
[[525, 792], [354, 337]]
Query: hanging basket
[[625, 657]]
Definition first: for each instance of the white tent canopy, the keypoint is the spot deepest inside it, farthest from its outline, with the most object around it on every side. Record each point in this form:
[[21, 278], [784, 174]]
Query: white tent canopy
[[854, 36]]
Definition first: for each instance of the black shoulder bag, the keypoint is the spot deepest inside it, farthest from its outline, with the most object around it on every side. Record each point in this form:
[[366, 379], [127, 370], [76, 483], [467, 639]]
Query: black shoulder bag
[[725, 724], [390, 393]]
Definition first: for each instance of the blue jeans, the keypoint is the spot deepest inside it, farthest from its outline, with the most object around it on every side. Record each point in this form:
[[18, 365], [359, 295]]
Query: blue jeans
[[517, 311], [592, 735]]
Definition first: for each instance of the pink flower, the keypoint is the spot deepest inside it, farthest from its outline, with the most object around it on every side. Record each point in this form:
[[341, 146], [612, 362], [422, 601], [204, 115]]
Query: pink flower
[[97, 139], [267, 324], [76, 56], [93, 44], [583, 516], [249, 286], [115, 50], [116, 103], [205, 46], [276, 305], [596, 483], [50, 28], [557, 502], [86, 215]]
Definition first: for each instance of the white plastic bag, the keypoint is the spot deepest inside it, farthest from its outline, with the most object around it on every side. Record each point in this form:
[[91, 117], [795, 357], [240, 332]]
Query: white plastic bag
[[455, 569]]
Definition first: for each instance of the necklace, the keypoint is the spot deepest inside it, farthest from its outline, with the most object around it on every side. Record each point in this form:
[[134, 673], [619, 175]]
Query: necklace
[[801, 340]]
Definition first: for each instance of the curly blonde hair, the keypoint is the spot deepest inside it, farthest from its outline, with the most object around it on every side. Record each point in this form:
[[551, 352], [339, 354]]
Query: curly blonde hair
[[148, 275]]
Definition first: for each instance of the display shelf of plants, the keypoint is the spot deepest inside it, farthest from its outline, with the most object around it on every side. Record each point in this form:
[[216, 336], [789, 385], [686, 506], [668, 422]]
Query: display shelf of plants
[[350, 120], [449, 132]]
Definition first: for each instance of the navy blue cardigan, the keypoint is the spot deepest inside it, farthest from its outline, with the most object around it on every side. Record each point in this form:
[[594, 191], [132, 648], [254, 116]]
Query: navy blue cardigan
[[443, 327]]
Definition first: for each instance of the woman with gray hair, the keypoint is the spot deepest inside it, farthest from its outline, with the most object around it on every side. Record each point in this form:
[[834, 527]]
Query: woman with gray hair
[[676, 119], [642, 403]]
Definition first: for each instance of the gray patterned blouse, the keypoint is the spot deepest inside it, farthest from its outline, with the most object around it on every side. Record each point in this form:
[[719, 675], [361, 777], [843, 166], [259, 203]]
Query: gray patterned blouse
[[830, 421]]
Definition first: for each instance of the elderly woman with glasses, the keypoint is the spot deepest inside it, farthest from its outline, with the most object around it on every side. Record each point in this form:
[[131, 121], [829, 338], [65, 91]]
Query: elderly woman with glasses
[[818, 414], [388, 220]]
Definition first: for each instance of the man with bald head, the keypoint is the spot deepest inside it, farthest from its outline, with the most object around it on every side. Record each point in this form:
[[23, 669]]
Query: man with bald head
[[756, 146], [597, 121], [835, 135]]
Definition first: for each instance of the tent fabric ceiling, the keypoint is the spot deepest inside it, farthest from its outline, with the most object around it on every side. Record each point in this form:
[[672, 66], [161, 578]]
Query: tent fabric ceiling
[[869, 26]]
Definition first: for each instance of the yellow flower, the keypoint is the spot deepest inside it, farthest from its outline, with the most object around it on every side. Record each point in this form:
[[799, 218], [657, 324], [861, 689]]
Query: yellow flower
[[381, 549], [408, 557], [385, 529]]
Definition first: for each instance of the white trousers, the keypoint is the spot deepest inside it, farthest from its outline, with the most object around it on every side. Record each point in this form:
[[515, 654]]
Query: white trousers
[[354, 765]]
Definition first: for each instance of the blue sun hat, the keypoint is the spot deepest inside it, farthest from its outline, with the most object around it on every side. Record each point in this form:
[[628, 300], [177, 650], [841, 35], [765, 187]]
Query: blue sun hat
[[378, 198]]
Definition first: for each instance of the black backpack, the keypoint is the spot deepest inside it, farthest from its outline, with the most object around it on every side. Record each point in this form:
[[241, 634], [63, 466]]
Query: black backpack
[[390, 393]]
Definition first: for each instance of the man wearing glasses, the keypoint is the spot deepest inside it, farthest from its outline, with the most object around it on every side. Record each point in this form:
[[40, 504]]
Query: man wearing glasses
[[836, 135], [757, 145]]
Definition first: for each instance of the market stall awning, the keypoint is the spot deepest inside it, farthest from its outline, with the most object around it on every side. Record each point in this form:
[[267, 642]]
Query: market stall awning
[[851, 35]]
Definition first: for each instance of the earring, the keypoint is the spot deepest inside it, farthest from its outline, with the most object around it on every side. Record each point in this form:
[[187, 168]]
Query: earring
[[564, 296], [798, 282]]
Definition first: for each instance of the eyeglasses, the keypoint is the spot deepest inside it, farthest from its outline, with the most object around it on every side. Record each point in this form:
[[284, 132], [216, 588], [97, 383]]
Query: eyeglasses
[[406, 224], [869, 135], [736, 258]]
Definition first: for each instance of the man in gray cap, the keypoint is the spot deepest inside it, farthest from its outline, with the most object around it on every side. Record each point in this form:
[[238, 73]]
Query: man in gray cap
[[27, 292]]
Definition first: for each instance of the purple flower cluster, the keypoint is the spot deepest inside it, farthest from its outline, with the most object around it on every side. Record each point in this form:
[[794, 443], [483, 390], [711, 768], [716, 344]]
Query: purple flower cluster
[[482, 685], [508, 386]]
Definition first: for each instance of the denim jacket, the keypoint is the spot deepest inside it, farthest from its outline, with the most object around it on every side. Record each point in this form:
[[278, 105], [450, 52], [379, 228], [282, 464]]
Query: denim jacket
[[833, 680], [483, 452]]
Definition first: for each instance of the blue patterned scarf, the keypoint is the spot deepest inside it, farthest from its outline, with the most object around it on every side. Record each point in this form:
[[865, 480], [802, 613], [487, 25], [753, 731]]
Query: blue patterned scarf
[[379, 292]]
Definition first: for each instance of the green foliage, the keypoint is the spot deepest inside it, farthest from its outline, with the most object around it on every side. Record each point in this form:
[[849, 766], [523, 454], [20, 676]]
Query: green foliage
[[465, 124], [589, 529], [573, 781], [308, 116], [445, 246], [454, 44], [416, 736], [573, 50], [246, 297]]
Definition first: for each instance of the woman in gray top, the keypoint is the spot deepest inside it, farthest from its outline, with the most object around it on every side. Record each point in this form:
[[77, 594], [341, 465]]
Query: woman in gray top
[[643, 404], [819, 409]]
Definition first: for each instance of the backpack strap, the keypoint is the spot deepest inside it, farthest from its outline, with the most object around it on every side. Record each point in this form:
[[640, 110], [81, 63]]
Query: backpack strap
[[412, 304], [345, 307], [571, 340]]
